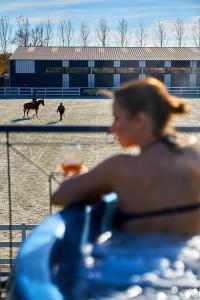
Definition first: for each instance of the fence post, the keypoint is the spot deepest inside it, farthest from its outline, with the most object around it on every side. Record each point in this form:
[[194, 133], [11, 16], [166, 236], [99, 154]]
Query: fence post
[[9, 197], [50, 194], [23, 226]]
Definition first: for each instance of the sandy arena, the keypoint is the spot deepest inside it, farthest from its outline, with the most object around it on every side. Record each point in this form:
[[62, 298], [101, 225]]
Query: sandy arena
[[30, 187]]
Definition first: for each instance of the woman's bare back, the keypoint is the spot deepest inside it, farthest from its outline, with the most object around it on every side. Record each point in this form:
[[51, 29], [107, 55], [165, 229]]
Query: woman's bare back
[[171, 179]]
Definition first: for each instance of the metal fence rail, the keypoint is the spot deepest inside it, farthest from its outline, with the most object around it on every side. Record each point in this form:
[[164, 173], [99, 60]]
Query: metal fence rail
[[23, 229], [6, 92], [59, 92]]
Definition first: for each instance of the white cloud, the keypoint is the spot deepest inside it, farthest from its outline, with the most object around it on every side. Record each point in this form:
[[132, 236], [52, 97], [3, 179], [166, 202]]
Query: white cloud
[[8, 6]]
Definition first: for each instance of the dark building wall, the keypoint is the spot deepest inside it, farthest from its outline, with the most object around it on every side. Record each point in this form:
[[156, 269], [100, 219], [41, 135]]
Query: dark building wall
[[42, 65], [104, 63], [180, 80], [49, 73], [129, 63], [78, 63], [127, 77], [38, 79], [103, 80], [78, 80], [155, 63], [45, 78], [198, 80], [23, 80], [49, 80], [12, 73], [198, 74], [180, 63], [12, 66]]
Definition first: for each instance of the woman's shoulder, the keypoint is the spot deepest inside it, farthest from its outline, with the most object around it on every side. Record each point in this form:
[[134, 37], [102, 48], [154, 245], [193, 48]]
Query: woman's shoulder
[[191, 145], [118, 158], [121, 160]]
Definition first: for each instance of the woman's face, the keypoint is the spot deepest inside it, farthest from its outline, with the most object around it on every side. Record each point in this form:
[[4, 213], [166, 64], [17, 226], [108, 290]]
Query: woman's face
[[124, 126]]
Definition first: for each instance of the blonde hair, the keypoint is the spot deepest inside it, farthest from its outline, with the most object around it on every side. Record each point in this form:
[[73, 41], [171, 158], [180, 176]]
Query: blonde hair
[[150, 96]]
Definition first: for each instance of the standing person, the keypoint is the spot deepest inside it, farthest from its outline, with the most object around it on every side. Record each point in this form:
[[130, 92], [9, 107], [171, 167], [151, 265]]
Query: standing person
[[61, 110], [164, 177]]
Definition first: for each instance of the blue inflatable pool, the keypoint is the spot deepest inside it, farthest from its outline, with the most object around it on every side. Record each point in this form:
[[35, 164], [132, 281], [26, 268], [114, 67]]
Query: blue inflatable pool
[[75, 255]]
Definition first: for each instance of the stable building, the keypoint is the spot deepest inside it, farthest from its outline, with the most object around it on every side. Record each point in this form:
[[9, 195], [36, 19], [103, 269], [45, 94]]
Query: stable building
[[108, 67]]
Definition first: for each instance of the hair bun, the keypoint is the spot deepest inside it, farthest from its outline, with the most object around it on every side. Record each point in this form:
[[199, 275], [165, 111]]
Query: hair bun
[[178, 106]]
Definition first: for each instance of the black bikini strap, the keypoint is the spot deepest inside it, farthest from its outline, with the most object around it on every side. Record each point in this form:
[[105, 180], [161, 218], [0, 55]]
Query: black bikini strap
[[170, 141], [161, 212]]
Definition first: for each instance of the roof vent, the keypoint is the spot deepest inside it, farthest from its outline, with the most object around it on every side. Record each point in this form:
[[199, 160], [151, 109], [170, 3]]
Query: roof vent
[[31, 49], [77, 50], [54, 49]]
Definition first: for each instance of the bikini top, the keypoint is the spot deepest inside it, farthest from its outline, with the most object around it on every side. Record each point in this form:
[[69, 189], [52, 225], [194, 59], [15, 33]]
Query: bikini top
[[121, 217], [168, 140]]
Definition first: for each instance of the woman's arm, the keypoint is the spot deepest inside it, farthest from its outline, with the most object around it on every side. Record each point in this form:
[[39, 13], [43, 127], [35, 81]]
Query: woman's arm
[[89, 185]]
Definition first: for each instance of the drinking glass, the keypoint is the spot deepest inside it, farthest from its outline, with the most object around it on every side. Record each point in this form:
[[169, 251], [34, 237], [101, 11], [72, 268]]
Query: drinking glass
[[72, 160]]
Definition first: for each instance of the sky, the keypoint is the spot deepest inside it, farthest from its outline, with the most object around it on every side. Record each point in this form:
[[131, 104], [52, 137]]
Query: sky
[[90, 11]]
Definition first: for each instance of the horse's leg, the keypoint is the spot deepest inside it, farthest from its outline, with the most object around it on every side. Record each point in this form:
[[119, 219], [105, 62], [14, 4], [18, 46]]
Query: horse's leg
[[27, 113], [24, 113]]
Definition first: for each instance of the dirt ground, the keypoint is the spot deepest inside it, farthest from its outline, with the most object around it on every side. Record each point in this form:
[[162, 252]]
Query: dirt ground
[[30, 186]]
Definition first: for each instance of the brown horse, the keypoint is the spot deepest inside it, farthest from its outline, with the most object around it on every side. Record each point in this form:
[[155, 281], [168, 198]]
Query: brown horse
[[33, 105]]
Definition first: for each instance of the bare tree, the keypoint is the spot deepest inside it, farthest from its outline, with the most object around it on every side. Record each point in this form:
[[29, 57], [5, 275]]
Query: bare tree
[[196, 32], [160, 34], [122, 36], [179, 30], [22, 34], [62, 32], [102, 31], [48, 33], [141, 35], [84, 35], [5, 34], [37, 36], [65, 32], [69, 32]]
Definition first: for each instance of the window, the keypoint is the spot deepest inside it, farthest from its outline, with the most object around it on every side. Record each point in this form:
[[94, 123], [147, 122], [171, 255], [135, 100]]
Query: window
[[25, 66], [54, 70], [197, 70], [103, 70], [66, 70], [127, 70], [178, 70], [76, 70], [154, 70]]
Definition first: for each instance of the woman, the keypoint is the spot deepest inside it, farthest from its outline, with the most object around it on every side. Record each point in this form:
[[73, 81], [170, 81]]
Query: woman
[[166, 174]]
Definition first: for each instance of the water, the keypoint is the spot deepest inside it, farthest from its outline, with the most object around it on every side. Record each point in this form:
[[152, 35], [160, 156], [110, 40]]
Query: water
[[153, 267]]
